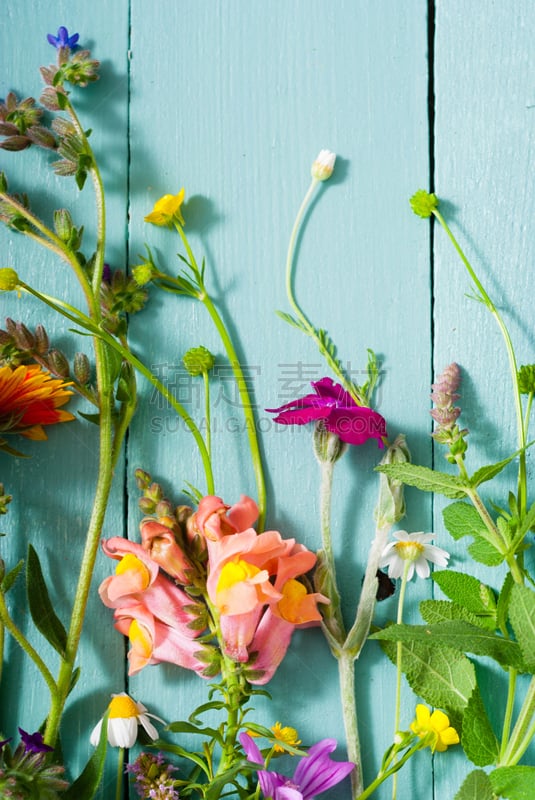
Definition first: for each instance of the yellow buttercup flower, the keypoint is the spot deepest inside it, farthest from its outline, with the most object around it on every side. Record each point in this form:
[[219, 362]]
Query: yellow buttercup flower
[[167, 209], [284, 734], [434, 726]]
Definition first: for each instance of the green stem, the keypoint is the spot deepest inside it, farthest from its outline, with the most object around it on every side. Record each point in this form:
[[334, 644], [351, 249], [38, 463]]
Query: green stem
[[87, 323], [2, 638], [399, 654], [306, 325], [100, 204], [245, 398], [334, 622], [21, 640], [233, 690], [522, 732], [104, 481], [207, 414], [508, 716], [346, 672], [521, 430], [383, 775], [120, 774]]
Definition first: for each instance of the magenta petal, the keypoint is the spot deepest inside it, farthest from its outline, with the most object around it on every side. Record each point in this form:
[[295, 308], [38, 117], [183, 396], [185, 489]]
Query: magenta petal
[[300, 416], [328, 389], [356, 425]]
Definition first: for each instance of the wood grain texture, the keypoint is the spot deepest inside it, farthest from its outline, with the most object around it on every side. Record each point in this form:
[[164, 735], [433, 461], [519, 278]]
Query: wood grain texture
[[233, 100]]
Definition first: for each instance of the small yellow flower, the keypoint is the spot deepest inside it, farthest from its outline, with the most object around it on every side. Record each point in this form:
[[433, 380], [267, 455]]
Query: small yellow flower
[[434, 726], [286, 735], [9, 280], [167, 209]]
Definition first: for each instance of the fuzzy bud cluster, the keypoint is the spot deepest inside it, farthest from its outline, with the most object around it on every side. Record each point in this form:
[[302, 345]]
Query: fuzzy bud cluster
[[445, 412]]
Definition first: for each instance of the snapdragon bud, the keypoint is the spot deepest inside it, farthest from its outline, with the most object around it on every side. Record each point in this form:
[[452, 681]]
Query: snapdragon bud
[[390, 506], [323, 166]]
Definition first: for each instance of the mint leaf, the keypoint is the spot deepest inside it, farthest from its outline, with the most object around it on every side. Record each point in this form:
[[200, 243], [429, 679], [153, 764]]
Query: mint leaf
[[434, 611], [514, 783], [442, 676], [469, 592], [504, 600], [461, 636], [522, 616], [485, 553], [428, 480], [476, 786], [462, 519], [487, 473], [478, 739]]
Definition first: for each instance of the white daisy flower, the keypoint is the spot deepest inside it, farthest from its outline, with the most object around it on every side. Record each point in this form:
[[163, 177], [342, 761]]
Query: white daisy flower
[[415, 548], [125, 715], [323, 166]]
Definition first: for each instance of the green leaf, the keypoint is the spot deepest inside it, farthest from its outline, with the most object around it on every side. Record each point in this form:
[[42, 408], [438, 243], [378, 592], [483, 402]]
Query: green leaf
[[522, 616], [86, 785], [212, 705], [514, 783], [442, 676], [295, 323], [187, 727], [467, 591], [461, 636], [487, 473], [485, 553], [41, 609], [160, 744], [462, 519], [478, 739], [434, 611], [504, 600], [428, 480], [11, 577], [476, 786]]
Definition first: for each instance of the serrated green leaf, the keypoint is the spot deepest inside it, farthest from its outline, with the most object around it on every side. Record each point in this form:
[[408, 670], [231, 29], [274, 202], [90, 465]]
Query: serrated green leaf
[[486, 473], [513, 783], [462, 519], [434, 611], [485, 553], [41, 609], [476, 786], [478, 739], [461, 636], [504, 599], [86, 785], [442, 676], [467, 591], [522, 616], [428, 480]]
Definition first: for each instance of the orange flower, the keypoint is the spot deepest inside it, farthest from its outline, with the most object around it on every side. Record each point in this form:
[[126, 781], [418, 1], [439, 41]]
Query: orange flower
[[29, 399]]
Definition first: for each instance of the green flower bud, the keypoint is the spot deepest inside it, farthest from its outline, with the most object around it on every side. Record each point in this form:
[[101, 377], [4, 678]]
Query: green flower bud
[[390, 506], [42, 343], [143, 478], [526, 379], [9, 280], [198, 360], [323, 166], [423, 204], [3, 183], [143, 273], [24, 339], [328, 447], [63, 224], [58, 363], [146, 505], [5, 499], [81, 368]]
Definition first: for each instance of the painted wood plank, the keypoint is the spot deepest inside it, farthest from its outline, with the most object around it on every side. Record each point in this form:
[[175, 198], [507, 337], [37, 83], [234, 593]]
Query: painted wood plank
[[53, 489], [484, 136]]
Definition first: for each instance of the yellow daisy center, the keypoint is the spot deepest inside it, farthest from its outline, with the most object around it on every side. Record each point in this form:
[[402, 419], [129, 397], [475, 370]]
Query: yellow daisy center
[[123, 707], [409, 551], [285, 734]]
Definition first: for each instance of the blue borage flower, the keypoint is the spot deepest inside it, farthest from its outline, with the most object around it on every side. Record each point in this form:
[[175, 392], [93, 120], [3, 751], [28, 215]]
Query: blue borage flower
[[63, 39]]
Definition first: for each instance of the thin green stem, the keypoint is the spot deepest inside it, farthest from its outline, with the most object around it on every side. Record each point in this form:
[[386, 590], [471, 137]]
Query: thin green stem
[[100, 204], [120, 774], [346, 672], [2, 642], [305, 323], [30, 651], [399, 655], [521, 430], [245, 398], [383, 775], [523, 730], [207, 413], [508, 716]]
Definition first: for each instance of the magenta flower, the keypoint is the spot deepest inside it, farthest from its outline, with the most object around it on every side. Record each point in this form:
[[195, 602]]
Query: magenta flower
[[352, 423], [314, 774]]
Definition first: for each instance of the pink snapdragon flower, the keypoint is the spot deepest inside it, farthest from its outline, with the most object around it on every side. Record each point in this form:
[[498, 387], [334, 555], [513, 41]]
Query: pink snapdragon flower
[[160, 543], [340, 414], [315, 773], [214, 519]]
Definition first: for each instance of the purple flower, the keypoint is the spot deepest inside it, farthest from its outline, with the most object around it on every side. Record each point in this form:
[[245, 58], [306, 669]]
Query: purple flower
[[314, 774], [340, 414], [63, 39], [33, 742]]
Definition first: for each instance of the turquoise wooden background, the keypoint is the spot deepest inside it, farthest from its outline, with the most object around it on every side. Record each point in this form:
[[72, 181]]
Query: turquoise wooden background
[[233, 100]]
